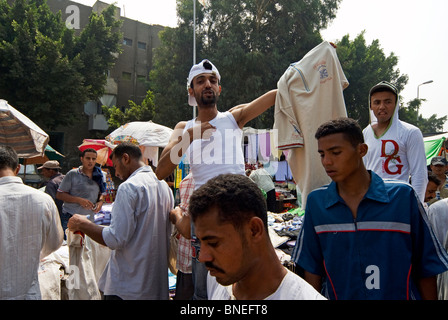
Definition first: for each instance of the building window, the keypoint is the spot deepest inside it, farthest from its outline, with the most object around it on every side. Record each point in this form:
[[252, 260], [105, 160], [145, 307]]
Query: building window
[[126, 75], [141, 78], [141, 45], [127, 42]]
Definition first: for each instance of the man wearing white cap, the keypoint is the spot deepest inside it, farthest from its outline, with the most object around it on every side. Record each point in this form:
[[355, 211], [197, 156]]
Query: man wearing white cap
[[212, 141], [220, 150]]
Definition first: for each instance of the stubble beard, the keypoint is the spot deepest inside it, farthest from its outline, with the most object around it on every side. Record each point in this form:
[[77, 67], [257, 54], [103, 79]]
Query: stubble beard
[[208, 101]]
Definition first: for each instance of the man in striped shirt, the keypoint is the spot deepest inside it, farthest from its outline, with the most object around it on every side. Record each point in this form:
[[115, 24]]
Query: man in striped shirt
[[364, 237], [180, 217]]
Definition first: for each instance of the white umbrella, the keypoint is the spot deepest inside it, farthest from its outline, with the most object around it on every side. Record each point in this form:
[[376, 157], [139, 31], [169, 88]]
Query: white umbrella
[[19, 132], [147, 134]]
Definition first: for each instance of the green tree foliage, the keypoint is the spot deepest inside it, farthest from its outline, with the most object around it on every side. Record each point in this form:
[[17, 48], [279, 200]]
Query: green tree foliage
[[168, 78], [252, 43], [411, 114], [45, 69], [144, 112], [364, 66]]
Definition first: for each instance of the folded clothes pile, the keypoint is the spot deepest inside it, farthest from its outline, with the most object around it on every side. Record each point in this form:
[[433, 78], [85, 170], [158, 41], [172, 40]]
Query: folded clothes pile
[[102, 218], [104, 215], [286, 224]]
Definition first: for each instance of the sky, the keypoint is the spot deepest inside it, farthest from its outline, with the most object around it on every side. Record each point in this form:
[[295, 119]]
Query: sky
[[414, 30]]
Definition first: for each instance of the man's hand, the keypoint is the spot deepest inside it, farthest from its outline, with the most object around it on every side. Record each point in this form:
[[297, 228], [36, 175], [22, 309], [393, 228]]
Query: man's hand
[[175, 215], [76, 222], [98, 206], [85, 203], [80, 223], [181, 222], [200, 131]]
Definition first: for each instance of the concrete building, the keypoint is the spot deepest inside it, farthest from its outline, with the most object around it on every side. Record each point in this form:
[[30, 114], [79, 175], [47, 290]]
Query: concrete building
[[126, 81]]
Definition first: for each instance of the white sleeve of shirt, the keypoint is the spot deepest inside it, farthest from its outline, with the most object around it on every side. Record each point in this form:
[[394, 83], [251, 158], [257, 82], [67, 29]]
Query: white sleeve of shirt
[[438, 215], [417, 163], [122, 224]]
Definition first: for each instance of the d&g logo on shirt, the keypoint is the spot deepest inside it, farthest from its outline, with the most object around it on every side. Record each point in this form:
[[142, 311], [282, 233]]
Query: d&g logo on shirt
[[391, 163]]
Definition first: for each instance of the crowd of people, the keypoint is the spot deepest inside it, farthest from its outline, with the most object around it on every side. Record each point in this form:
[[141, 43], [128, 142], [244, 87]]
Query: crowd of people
[[377, 231]]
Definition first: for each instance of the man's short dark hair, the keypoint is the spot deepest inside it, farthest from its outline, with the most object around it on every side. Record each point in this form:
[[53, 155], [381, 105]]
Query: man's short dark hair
[[126, 147], [432, 177], [349, 127], [8, 158], [236, 197], [83, 153]]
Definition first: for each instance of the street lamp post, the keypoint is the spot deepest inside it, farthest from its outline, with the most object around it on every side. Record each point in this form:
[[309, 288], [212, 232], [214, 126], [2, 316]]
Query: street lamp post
[[418, 87], [418, 92], [194, 45]]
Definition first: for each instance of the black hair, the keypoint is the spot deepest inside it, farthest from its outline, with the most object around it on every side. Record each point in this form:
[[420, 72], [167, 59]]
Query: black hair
[[126, 147], [8, 158], [236, 197], [207, 65], [432, 177], [349, 127], [83, 153]]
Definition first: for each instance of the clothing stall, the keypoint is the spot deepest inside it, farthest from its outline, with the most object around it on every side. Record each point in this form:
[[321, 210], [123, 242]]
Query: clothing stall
[[260, 146]]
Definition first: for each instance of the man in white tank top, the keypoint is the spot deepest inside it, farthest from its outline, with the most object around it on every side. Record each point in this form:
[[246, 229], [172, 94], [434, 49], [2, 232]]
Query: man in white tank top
[[212, 141]]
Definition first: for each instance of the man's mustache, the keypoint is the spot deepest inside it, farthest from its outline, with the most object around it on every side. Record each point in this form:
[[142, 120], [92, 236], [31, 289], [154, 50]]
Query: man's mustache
[[212, 266]]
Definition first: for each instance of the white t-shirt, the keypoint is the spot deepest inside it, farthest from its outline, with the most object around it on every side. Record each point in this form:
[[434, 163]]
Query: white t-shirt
[[310, 92], [292, 287], [263, 179]]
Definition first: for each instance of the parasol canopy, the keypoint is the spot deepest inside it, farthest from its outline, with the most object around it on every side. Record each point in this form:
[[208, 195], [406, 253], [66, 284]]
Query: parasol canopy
[[143, 133], [146, 134], [19, 132], [103, 148], [50, 154]]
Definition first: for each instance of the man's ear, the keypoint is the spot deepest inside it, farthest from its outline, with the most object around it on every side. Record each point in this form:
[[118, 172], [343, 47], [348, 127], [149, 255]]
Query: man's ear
[[16, 172], [256, 228], [126, 158], [363, 148]]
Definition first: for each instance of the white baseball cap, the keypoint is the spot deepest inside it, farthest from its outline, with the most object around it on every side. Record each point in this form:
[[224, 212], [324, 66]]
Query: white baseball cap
[[205, 66]]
